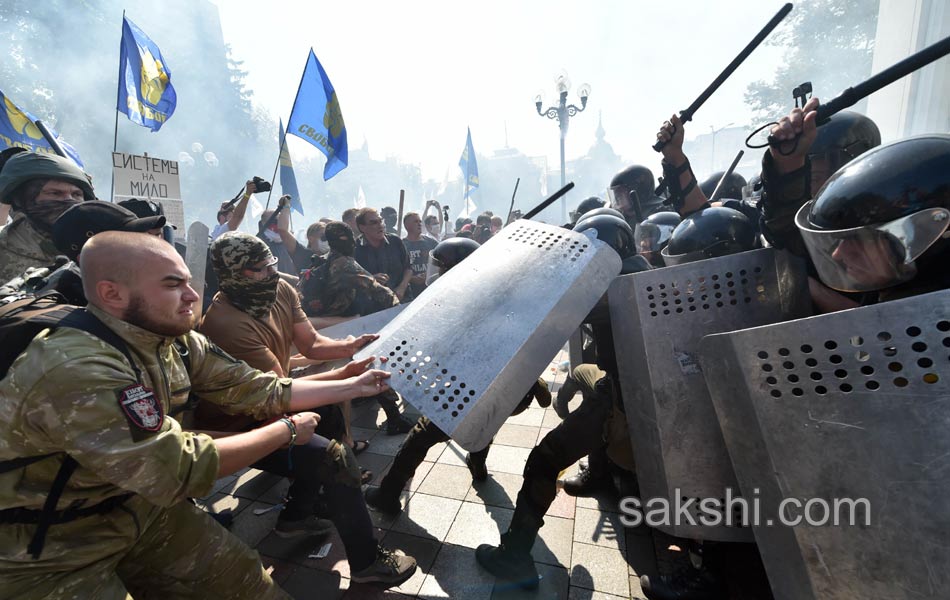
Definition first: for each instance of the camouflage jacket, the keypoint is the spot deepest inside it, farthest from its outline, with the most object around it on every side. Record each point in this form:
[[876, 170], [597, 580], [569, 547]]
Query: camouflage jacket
[[341, 287], [22, 247], [71, 393]]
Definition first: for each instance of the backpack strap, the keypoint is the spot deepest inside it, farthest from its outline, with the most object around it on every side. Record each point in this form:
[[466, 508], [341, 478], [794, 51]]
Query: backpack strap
[[77, 318]]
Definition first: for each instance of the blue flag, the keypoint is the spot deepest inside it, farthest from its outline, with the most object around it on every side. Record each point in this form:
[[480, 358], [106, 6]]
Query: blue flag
[[146, 94], [288, 181], [469, 166], [317, 119], [17, 129]]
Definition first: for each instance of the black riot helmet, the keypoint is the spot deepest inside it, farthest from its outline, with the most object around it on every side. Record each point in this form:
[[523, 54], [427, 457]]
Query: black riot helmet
[[653, 234], [883, 218], [708, 233], [843, 138], [603, 210], [447, 254], [587, 205], [632, 193], [731, 187], [614, 231]]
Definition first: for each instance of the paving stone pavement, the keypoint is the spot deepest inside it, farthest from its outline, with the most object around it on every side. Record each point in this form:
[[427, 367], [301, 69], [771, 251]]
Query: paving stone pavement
[[583, 551]]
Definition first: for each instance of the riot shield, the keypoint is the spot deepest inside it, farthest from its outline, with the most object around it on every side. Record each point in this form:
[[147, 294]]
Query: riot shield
[[470, 346], [196, 257], [658, 319], [842, 407], [357, 327]]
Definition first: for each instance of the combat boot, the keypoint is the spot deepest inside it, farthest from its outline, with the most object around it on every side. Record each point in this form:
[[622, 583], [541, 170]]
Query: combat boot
[[383, 499], [511, 561], [476, 466], [700, 585], [588, 483]]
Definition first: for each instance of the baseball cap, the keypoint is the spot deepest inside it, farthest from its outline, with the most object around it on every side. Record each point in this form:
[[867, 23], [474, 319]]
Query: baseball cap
[[86, 219]]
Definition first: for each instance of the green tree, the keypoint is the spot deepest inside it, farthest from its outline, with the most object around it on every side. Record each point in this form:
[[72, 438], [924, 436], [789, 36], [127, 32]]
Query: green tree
[[827, 42]]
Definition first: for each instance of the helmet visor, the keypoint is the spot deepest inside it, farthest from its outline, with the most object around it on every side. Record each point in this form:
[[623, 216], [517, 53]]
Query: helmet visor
[[652, 237], [434, 269], [871, 257]]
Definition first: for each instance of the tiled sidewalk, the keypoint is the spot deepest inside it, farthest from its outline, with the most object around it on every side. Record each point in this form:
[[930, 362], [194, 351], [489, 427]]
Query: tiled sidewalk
[[583, 551]]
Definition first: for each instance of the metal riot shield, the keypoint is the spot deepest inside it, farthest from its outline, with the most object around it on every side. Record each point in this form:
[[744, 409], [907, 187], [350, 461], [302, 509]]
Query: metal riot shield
[[843, 407], [357, 327], [470, 346], [196, 257], [658, 319]]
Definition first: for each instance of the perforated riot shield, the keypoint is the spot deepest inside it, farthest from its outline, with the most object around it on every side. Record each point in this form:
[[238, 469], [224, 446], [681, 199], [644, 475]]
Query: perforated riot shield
[[357, 327], [470, 346], [658, 319], [842, 407]]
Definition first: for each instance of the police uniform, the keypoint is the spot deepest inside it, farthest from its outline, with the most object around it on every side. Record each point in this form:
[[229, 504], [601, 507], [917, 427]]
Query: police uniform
[[22, 247], [71, 394]]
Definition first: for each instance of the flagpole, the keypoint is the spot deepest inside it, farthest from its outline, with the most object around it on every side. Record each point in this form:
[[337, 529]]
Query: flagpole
[[115, 130], [283, 139]]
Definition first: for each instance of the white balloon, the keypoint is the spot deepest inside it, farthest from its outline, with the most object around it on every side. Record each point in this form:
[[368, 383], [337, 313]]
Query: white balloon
[[197, 147], [211, 159], [185, 159]]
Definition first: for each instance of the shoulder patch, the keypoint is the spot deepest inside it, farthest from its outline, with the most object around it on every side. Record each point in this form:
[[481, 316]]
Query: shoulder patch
[[142, 409]]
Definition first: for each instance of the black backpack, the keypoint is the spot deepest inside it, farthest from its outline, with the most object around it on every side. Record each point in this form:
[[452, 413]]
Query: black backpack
[[20, 321]]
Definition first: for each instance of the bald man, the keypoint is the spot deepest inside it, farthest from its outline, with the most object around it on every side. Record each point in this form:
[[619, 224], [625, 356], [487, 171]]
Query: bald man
[[120, 526]]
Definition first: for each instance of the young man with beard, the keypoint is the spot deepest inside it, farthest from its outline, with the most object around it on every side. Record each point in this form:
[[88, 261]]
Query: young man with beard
[[256, 317], [40, 187], [120, 525]]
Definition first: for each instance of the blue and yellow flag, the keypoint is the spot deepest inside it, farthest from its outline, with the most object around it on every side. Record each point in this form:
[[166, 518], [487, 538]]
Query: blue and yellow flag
[[17, 128], [288, 181], [469, 166], [146, 94], [317, 118]]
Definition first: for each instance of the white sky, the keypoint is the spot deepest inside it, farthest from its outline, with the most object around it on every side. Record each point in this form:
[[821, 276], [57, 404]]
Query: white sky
[[412, 75]]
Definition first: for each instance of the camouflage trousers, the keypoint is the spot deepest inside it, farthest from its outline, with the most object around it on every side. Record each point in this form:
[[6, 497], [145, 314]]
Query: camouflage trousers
[[138, 550]]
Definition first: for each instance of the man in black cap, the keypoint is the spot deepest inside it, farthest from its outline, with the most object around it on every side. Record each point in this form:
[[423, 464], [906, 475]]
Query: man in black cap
[[69, 233], [40, 187]]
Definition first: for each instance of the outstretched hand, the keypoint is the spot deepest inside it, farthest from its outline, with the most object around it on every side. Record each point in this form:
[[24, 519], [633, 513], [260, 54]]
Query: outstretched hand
[[371, 382], [671, 134]]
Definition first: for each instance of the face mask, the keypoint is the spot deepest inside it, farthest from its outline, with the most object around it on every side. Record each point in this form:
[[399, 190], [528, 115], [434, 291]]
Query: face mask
[[44, 214], [254, 297], [272, 236], [323, 247]]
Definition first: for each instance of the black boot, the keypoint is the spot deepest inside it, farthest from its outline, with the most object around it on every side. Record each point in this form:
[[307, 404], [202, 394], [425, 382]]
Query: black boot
[[475, 462], [589, 482], [383, 499], [699, 586], [395, 422], [511, 561]]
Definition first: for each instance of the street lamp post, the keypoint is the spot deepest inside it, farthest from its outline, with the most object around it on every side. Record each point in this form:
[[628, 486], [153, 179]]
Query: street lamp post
[[563, 113]]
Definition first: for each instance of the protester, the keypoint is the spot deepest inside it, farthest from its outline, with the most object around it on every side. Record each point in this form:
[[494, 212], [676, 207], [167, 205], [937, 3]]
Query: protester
[[390, 217], [382, 254], [230, 215], [133, 465], [39, 187], [291, 257], [418, 246]]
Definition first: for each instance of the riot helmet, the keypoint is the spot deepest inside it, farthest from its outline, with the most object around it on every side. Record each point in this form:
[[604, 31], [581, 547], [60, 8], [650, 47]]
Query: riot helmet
[[731, 187], [844, 137], [653, 234], [614, 231], [603, 210], [586, 206], [882, 218], [708, 233], [632, 193], [447, 254]]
